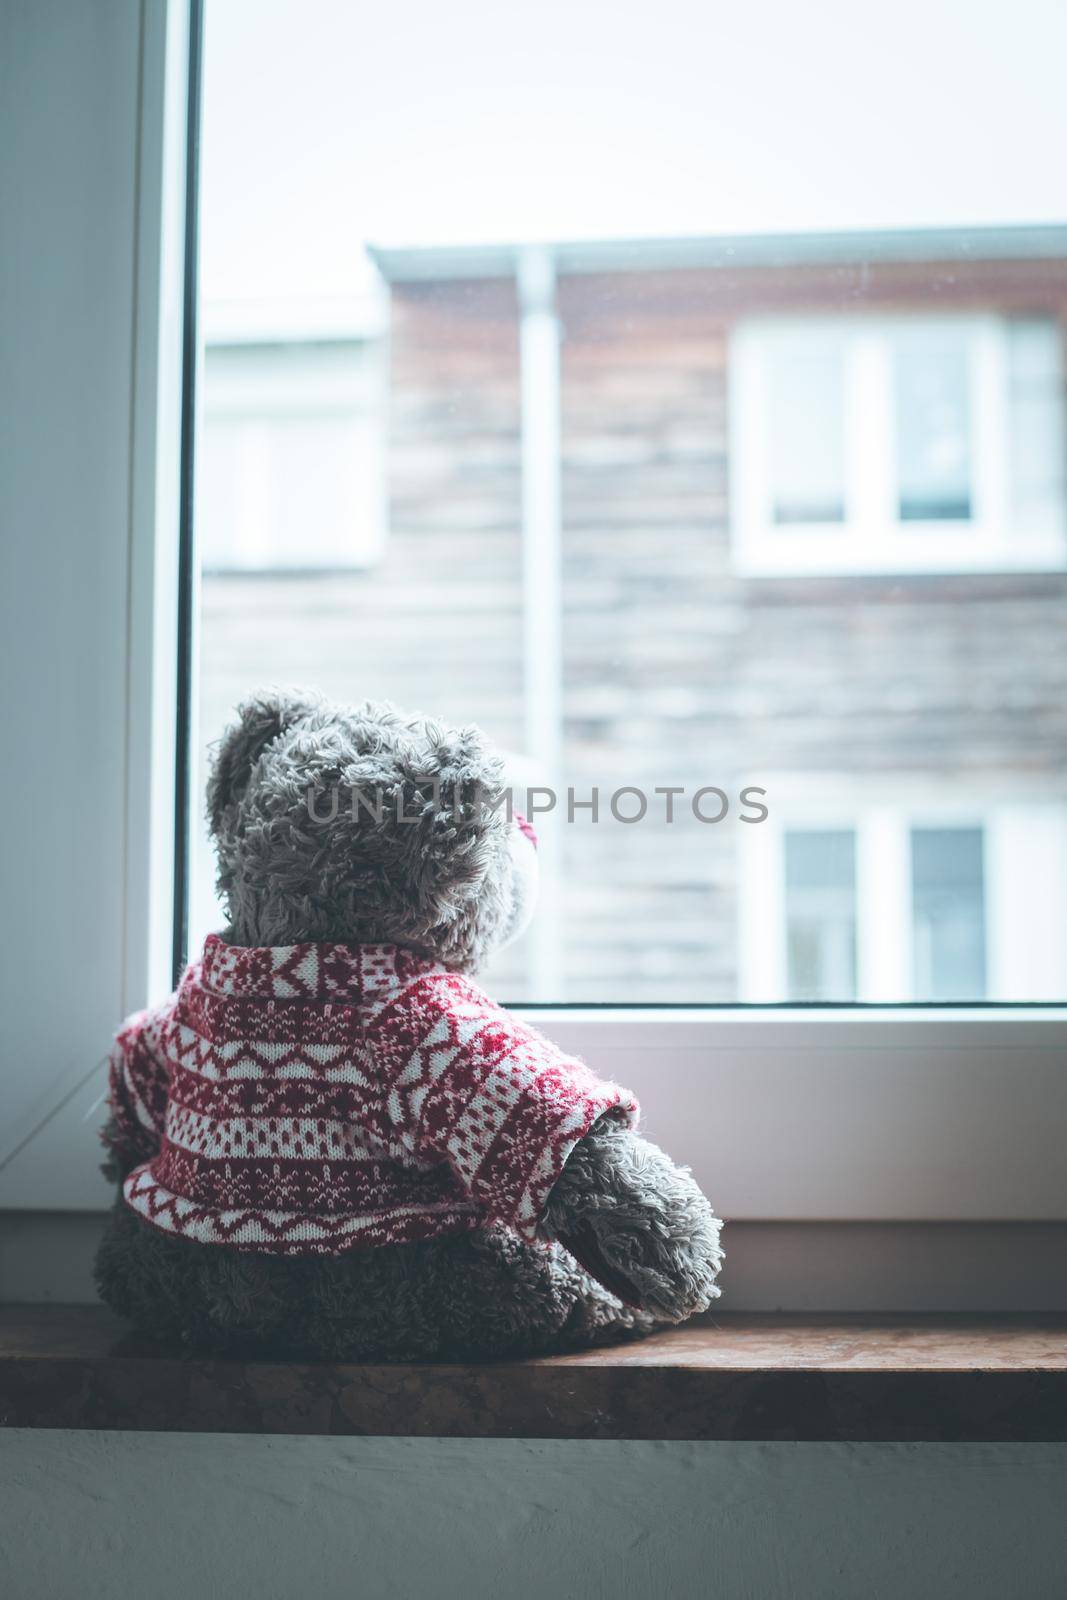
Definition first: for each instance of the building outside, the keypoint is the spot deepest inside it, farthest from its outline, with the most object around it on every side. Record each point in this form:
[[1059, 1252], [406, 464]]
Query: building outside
[[786, 514]]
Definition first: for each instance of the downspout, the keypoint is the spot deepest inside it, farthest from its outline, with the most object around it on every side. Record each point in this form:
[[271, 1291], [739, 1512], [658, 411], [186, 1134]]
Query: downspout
[[539, 358]]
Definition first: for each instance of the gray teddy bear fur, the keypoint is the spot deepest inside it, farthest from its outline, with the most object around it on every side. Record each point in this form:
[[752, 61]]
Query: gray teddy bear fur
[[447, 887]]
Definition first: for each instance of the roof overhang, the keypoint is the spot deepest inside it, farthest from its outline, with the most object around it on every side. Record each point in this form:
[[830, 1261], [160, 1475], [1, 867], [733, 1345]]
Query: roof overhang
[[433, 263]]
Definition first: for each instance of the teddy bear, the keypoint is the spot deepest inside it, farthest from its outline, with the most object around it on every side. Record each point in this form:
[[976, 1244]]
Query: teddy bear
[[331, 1143]]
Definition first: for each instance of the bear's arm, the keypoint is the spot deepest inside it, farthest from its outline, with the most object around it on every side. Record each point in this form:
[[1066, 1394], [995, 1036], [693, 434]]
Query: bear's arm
[[636, 1222], [466, 1081], [543, 1145], [136, 1093]]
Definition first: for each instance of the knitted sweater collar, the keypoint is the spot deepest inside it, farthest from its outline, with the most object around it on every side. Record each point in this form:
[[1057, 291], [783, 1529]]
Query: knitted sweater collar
[[344, 972]]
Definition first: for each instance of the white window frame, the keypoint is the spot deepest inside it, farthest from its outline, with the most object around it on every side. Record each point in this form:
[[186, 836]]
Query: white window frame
[[1024, 841], [871, 538], [349, 396], [94, 495], [783, 1113]]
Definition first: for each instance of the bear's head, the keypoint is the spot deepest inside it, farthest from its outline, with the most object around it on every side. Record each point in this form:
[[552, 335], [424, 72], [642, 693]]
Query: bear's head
[[365, 825]]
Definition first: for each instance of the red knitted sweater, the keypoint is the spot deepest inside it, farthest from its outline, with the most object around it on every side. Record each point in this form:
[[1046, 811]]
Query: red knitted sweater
[[311, 1098]]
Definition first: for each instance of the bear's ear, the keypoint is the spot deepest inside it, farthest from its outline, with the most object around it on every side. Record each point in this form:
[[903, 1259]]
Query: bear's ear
[[260, 720]]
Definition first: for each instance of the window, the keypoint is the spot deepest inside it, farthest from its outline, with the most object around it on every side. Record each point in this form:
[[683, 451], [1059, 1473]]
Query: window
[[560, 560], [820, 911], [948, 912], [933, 419], [522, 489], [292, 473], [806, 427], [871, 892], [913, 444]]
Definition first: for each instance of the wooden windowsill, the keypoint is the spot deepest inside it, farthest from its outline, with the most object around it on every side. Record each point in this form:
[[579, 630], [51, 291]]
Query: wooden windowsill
[[734, 1377]]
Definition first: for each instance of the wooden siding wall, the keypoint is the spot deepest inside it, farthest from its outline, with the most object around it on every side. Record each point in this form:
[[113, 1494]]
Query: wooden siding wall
[[676, 671]]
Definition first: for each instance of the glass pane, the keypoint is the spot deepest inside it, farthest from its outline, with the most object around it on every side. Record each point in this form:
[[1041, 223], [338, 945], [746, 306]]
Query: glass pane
[[820, 894], [948, 908], [1038, 425], [932, 375], [473, 279], [806, 421], [293, 459]]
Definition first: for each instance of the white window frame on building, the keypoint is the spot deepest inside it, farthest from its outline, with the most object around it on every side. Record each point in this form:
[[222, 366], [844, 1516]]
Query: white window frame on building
[[274, 387], [1024, 848], [997, 535]]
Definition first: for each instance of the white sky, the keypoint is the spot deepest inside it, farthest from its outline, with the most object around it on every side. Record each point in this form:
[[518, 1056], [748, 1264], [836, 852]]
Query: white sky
[[331, 122]]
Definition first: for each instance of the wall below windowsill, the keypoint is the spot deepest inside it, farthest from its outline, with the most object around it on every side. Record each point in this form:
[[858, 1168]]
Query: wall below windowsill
[[737, 1377], [905, 1267]]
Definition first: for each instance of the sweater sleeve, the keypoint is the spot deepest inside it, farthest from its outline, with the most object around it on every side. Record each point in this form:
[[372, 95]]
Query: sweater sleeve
[[468, 1082], [137, 1087]]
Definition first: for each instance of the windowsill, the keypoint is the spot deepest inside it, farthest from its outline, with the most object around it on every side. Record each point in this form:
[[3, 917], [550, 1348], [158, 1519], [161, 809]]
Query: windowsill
[[859, 553], [734, 1377]]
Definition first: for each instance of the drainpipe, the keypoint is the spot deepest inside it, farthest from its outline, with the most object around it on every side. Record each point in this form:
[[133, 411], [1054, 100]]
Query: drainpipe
[[539, 359]]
